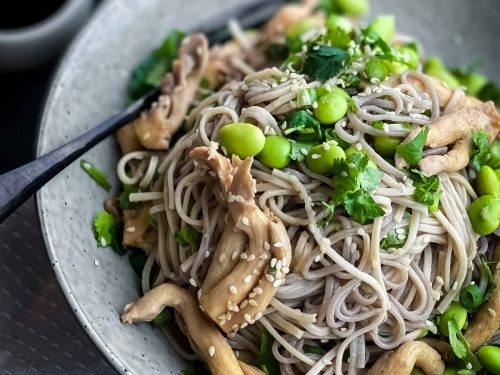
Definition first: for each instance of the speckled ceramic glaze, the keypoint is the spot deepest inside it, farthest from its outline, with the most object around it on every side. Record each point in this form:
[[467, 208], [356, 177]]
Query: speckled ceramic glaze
[[91, 84]]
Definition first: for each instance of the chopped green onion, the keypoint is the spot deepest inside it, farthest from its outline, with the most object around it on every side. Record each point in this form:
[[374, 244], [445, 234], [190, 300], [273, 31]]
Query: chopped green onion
[[96, 174], [471, 297]]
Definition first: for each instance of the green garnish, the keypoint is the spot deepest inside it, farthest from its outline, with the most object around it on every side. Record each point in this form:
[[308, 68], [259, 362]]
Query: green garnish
[[394, 240], [299, 150], [480, 152], [460, 345], [306, 98], [163, 318], [107, 231], [330, 206], [353, 180], [323, 62], [265, 359], [302, 126], [149, 74], [125, 202], [427, 190], [314, 349], [411, 152], [471, 297], [96, 174], [188, 236]]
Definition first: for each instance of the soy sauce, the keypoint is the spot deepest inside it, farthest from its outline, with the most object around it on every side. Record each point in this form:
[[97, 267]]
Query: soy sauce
[[21, 13]]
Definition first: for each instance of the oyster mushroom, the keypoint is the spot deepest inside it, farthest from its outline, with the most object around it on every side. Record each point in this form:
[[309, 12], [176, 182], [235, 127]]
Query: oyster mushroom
[[208, 342], [127, 139], [137, 232], [455, 129], [240, 297], [486, 321], [406, 357], [156, 127]]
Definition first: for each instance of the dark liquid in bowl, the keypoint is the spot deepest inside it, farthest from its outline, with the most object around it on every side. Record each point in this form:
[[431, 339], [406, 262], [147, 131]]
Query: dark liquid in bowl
[[20, 13]]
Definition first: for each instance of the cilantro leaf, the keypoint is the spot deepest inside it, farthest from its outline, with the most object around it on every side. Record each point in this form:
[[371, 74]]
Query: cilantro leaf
[[361, 207], [125, 202], [107, 231], [427, 189], [265, 359], [150, 72], [487, 277], [306, 97], [330, 206], [412, 151], [480, 152], [303, 126], [188, 236], [96, 174], [299, 150], [163, 318], [394, 240], [323, 62], [369, 178], [460, 346]]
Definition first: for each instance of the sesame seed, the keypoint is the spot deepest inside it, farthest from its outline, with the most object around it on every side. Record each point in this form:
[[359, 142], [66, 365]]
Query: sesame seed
[[247, 318], [199, 293], [192, 282], [279, 275], [86, 166], [492, 312], [285, 269], [207, 254], [315, 156], [343, 174], [278, 265], [201, 308], [269, 277], [263, 256], [468, 366], [317, 258], [103, 241], [243, 304], [247, 279], [326, 146], [255, 271], [130, 229], [359, 146], [315, 104], [455, 286], [228, 315], [234, 327], [211, 351], [276, 283], [243, 256], [351, 165], [251, 257], [243, 325], [234, 255], [252, 302], [278, 244], [96, 262], [245, 221], [233, 289], [303, 151], [266, 247], [361, 232], [258, 290], [222, 257], [401, 236], [237, 353], [273, 262], [429, 323], [343, 329]]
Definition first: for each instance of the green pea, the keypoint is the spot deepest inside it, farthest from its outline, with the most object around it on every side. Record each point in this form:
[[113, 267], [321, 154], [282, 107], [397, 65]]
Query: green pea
[[242, 139], [490, 358], [276, 152], [450, 371], [301, 27], [354, 7], [474, 82], [352, 150], [410, 56], [457, 312], [339, 38], [497, 172], [331, 108], [395, 67], [335, 21], [385, 146], [384, 26], [487, 182], [323, 90], [484, 214], [435, 67], [320, 158], [494, 160], [374, 68]]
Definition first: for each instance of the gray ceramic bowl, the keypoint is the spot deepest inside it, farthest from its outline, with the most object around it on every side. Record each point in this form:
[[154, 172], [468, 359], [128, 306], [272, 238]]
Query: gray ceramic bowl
[[91, 85]]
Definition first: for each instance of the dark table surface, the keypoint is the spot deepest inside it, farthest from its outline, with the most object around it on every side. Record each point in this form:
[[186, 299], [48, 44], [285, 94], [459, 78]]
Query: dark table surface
[[38, 331]]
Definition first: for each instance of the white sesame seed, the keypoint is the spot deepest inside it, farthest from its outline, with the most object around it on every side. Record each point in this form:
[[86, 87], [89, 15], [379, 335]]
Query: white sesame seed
[[303, 151], [343, 329], [276, 283], [222, 257], [273, 262], [247, 279], [492, 312], [343, 174], [258, 290], [269, 277], [247, 318], [263, 256], [315, 156], [266, 246], [234, 255], [243, 256], [86, 166], [429, 323], [252, 302], [258, 316], [278, 265], [207, 254], [192, 282], [96, 262], [251, 257], [228, 315], [285, 269], [455, 286], [104, 243], [233, 289], [245, 221], [315, 104], [317, 258], [278, 244], [359, 146], [351, 165], [326, 146], [243, 325], [255, 271], [130, 229], [201, 308], [211, 351], [361, 232], [468, 366]]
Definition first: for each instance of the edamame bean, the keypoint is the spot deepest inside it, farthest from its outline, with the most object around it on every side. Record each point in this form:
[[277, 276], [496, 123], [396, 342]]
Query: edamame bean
[[385, 146], [450, 371], [331, 108], [487, 182], [354, 7], [323, 90], [320, 158], [384, 26], [489, 356], [494, 161], [410, 56], [455, 311], [375, 69], [436, 68], [338, 22], [276, 152], [497, 172], [473, 83], [242, 139], [299, 28], [484, 214]]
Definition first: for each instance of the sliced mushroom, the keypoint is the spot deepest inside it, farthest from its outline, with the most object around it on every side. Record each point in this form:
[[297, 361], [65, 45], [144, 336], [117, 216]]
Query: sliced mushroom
[[240, 297], [156, 127], [209, 343], [442, 347], [127, 139], [288, 16], [456, 129], [112, 205], [486, 321], [137, 231], [406, 357]]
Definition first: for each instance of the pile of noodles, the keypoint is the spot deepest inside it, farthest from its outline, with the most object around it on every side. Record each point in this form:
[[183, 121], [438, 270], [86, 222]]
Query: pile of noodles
[[343, 291]]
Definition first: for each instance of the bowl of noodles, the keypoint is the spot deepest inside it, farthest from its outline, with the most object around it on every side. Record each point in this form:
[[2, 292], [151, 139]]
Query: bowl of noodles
[[318, 195]]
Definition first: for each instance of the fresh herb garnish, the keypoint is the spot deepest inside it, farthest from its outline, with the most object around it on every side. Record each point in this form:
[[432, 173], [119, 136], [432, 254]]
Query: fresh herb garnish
[[460, 346], [302, 126], [125, 202], [471, 297], [480, 153], [107, 231], [411, 152], [96, 174], [394, 240], [427, 190], [265, 359], [188, 236], [323, 62], [149, 74], [299, 150], [163, 318], [306, 98], [353, 180], [330, 207]]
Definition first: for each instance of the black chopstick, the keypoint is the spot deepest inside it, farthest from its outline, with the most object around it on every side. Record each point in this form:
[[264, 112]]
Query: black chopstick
[[19, 184]]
